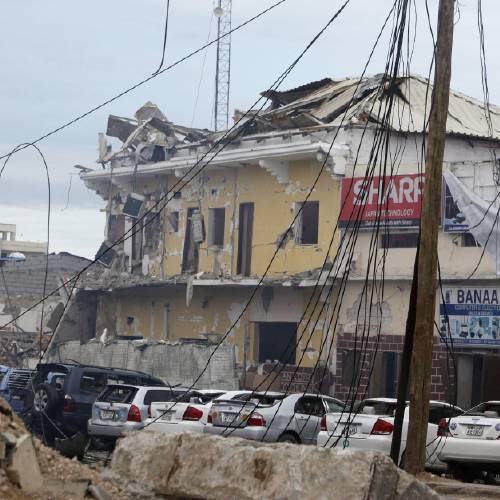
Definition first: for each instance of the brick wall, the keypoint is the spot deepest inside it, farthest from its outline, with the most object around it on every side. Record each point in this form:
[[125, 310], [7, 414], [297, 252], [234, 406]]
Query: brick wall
[[442, 378]]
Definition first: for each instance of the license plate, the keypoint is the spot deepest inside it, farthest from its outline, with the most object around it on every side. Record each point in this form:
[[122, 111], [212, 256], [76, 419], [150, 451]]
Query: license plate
[[352, 429], [228, 418], [107, 414], [474, 430], [167, 416]]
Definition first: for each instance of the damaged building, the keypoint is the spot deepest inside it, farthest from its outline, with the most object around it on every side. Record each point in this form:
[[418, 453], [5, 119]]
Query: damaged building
[[22, 286], [215, 226]]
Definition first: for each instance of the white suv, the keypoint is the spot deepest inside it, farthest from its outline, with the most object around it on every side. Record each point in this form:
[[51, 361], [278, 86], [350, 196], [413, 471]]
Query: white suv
[[120, 408]]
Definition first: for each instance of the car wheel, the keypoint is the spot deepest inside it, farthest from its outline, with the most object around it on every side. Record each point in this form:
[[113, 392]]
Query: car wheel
[[464, 474], [492, 478], [45, 400], [288, 438]]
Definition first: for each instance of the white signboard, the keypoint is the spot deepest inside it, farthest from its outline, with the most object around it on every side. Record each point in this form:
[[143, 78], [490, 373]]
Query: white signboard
[[473, 315]]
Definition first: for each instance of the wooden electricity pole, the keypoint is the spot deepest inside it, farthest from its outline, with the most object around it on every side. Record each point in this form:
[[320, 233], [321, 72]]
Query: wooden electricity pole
[[421, 359]]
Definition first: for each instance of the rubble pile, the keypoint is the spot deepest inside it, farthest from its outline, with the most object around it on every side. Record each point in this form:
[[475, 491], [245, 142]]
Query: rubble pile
[[172, 465], [30, 470]]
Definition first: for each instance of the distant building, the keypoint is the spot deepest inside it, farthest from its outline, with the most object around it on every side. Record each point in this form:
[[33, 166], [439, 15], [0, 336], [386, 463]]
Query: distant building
[[9, 244]]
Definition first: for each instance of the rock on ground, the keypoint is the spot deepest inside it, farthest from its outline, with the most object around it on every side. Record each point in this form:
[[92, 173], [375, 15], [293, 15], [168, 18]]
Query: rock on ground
[[30, 470], [203, 466]]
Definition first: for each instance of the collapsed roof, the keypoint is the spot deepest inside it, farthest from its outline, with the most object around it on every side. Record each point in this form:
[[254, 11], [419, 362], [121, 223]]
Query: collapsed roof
[[151, 137]]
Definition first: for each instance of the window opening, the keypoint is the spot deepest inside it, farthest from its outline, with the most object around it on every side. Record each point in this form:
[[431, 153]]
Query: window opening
[[307, 223], [216, 224]]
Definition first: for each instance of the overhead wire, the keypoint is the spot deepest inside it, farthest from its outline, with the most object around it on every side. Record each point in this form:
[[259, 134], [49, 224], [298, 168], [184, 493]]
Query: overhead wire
[[165, 33], [142, 82], [222, 142]]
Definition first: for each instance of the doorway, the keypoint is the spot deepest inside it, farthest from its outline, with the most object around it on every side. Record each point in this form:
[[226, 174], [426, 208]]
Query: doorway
[[477, 379], [277, 342], [245, 236]]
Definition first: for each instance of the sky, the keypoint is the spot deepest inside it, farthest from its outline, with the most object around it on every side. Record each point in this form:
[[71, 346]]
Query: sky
[[61, 58]]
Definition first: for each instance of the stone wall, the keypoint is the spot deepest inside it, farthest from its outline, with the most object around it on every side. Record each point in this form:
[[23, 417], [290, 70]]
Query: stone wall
[[175, 363]]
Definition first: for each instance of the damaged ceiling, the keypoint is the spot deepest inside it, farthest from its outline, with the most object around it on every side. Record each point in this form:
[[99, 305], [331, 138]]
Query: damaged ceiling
[[150, 137]]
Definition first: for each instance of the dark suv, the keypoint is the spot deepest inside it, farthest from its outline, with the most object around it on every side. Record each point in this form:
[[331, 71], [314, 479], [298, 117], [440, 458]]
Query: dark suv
[[60, 397]]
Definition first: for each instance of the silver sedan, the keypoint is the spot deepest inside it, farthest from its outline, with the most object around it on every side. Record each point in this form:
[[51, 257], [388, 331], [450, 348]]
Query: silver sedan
[[272, 417]]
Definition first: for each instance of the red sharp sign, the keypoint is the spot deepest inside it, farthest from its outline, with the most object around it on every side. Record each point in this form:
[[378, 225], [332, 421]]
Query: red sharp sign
[[394, 201]]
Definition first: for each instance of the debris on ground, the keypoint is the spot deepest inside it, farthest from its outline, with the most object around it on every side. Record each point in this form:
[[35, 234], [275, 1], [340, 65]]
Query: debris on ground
[[31, 470]]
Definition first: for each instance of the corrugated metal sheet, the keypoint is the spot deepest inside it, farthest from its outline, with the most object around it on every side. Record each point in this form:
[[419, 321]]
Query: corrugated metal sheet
[[410, 111]]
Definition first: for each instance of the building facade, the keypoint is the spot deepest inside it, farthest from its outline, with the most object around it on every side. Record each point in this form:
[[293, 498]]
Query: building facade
[[197, 242]]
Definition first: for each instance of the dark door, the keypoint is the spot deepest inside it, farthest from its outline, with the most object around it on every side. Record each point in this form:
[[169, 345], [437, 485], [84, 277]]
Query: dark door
[[245, 235], [277, 342], [190, 254]]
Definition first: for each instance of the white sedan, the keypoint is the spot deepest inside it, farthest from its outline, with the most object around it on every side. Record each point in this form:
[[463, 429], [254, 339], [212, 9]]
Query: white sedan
[[371, 423], [472, 446], [187, 416]]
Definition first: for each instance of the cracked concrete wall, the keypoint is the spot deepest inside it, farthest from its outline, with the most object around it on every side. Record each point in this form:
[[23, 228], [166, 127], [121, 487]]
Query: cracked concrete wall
[[274, 210], [157, 313], [79, 319], [175, 363]]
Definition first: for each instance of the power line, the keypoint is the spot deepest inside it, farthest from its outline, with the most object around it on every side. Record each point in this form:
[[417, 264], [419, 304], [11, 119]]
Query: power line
[[165, 32], [142, 82]]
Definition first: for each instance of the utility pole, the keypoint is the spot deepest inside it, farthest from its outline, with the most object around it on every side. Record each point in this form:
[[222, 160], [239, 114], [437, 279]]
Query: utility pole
[[421, 359], [223, 65]]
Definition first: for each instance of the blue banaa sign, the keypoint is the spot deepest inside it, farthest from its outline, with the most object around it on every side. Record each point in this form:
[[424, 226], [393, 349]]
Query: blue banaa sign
[[473, 315]]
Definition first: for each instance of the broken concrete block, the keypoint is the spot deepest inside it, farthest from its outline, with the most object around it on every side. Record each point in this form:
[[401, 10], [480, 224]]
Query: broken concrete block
[[9, 438], [203, 466], [74, 488], [23, 468], [98, 493]]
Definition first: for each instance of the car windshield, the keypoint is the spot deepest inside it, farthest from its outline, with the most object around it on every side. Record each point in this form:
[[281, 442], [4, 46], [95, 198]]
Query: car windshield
[[117, 394], [480, 410]]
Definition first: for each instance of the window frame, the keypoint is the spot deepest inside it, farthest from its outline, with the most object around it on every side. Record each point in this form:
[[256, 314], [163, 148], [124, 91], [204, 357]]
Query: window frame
[[214, 228], [302, 206]]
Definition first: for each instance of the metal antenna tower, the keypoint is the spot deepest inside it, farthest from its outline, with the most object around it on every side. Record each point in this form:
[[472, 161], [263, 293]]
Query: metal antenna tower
[[223, 65]]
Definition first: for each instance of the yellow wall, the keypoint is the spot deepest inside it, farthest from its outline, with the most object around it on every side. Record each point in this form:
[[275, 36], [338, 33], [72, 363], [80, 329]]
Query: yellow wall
[[213, 309], [273, 213]]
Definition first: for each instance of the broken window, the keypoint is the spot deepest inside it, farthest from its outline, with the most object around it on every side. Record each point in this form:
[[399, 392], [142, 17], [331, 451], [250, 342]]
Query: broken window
[[105, 254], [152, 231], [277, 342], [402, 239], [245, 236], [190, 254], [216, 223], [137, 241], [133, 206], [306, 225], [116, 227], [173, 220]]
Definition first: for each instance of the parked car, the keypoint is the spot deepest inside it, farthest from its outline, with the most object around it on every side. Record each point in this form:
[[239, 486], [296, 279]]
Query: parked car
[[272, 417], [370, 424], [13, 385], [472, 443], [190, 415], [121, 408], [61, 398]]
